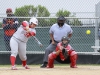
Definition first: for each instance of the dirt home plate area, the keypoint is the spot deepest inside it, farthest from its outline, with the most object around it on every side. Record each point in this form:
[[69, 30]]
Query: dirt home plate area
[[57, 70]]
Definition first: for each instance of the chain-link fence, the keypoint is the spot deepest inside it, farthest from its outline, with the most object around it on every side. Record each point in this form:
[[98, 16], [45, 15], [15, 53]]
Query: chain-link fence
[[47, 12], [80, 41]]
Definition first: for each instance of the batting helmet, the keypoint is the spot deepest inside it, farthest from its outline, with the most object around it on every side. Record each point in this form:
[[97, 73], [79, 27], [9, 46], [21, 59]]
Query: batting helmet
[[33, 20]]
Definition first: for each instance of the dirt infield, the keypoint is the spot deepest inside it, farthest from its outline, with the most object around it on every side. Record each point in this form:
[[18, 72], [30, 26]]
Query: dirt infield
[[57, 70]]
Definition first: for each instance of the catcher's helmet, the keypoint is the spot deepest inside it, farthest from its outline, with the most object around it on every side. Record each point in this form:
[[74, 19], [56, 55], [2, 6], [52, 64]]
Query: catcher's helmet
[[8, 10], [66, 39], [33, 20]]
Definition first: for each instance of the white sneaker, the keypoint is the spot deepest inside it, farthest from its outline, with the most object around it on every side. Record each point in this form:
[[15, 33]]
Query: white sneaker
[[14, 68]]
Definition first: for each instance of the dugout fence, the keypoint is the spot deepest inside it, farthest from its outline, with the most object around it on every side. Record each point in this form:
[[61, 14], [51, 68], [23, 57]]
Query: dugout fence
[[80, 41]]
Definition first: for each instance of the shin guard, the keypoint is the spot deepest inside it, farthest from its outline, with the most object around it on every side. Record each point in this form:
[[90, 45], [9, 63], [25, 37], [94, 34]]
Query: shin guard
[[73, 61], [51, 59]]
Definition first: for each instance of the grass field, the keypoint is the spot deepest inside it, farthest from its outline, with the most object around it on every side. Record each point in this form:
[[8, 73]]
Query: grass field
[[57, 70]]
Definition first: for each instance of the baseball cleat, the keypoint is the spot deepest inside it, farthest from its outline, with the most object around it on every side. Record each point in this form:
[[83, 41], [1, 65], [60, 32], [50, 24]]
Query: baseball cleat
[[26, 67], [73, 66], [14, 68]]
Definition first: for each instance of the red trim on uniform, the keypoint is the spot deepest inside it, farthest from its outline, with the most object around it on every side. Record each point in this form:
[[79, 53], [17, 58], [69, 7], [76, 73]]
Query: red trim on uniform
[[32, 34]]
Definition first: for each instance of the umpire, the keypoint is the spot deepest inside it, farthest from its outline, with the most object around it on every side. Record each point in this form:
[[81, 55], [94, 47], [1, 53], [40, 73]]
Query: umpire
[[57, 31]]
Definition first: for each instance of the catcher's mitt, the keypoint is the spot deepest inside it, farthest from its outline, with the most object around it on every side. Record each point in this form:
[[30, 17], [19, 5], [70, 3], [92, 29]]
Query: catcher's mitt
[[65, 53]]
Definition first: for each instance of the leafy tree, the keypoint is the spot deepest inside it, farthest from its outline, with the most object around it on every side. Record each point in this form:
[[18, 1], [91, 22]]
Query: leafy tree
[[67, 14], [42, 11], [63, 13], [59, 13], [39, 11], [75, 22]]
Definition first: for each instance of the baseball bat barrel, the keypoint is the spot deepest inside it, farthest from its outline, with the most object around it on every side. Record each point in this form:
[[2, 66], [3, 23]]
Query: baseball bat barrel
[[39, 43]]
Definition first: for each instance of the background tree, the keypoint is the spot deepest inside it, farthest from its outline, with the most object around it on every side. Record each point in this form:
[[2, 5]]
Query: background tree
[[42, 12], [39, 11], [62, 12], [59, 13], [74, 21]]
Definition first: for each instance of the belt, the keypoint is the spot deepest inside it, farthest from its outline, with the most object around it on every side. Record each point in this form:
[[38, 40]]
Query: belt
[[54, 40]]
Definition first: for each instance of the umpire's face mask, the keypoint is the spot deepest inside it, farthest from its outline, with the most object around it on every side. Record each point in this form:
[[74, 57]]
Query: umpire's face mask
[[61, 23]]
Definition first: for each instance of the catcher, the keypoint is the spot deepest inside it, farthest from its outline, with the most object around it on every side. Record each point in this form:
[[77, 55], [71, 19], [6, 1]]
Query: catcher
[[64, 53]]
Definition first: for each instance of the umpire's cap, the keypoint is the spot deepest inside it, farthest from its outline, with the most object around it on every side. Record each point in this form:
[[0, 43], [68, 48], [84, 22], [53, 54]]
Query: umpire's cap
[[61, 18]]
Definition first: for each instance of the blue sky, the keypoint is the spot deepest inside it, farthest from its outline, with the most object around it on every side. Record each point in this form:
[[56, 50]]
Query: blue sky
[[52, 5]]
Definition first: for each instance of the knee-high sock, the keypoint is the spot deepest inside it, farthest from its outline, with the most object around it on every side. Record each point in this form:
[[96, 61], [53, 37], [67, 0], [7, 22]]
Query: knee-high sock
[[24, 63], [12, 60]]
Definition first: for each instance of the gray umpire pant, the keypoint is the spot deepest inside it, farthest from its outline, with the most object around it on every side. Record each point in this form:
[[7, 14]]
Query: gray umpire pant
[[49, 50]]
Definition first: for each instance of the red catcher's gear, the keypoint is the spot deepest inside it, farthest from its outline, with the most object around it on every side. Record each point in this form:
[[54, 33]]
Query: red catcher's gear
[[73, 61], [72, 54], [51, 59], [8, 10]]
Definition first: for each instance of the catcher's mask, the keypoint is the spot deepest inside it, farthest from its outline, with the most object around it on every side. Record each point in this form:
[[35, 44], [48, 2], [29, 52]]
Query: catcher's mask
[[65, 40], [61, 20]]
